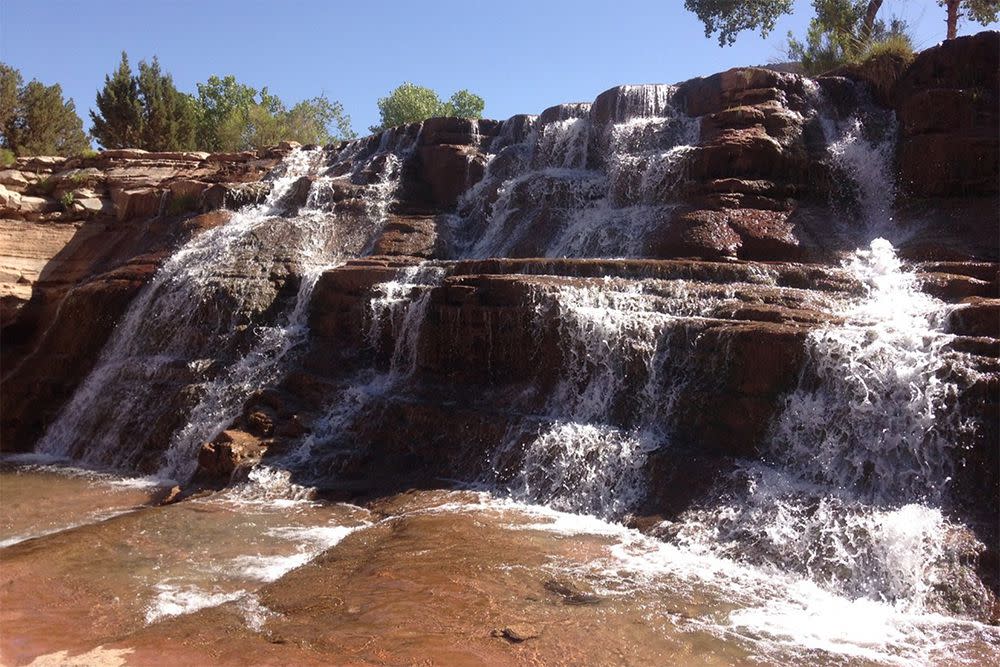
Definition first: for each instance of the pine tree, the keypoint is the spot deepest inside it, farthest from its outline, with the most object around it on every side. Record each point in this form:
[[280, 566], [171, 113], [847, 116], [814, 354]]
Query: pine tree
[[119, 121], [10, 85], [36, 120], [169, 117]]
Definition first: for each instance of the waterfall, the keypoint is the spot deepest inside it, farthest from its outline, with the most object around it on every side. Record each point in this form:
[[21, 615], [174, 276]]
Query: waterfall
[[400, 305], [626, 362], [396, 311], [853, 489], [580, 185], [213, 326], [878, 417]]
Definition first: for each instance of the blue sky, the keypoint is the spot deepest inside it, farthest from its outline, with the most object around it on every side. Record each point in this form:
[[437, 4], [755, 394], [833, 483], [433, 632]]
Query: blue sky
[[521, 56]]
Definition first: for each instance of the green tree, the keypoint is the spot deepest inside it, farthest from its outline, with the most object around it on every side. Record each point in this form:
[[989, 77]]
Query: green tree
[[238, 117], [731, 17], [36, 119], [309, 121], [464, 104], [169, 117], [844, 31], [410, 103], [10, 84], [225, 113], [118, 122], [980, 11]]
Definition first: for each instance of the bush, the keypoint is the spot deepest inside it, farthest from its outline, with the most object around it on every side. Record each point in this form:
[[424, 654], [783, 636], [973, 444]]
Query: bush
[[7, 158], [67, 200], [46, 186], [410, 103], [87, 153], [182, 204], [897, 46]]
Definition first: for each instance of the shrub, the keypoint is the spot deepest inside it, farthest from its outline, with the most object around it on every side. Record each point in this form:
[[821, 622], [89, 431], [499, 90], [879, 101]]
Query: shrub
[[87, 153], [46, 186], [897, 46], [182, 204], [7, 158], [67, 200]]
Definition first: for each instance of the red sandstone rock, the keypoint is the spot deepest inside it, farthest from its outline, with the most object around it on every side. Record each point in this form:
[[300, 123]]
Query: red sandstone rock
[[978, 316], [450, 171], [948, 101], [217, 460]]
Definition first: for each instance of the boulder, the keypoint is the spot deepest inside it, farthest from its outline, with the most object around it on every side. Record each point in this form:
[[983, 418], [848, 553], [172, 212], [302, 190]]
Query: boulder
[[14, 179], [10, 200], [137, 203], [217, 460], [410, 236]]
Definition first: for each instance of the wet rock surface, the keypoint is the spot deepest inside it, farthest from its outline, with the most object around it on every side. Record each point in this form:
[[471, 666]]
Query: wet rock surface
[[656, 308]]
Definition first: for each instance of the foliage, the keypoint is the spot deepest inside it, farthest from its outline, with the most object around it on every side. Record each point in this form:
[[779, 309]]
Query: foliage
[[731, 17], [980, 11], [7, 157], [169, 117], [464, 104], [225, 107], [898, 46], [118, 121], [10, 84], [182, 204], [87, 153], [67, 200], [238, 117], [846, 31], [146, 110], [36, 119], [410, 103], [46, 186]]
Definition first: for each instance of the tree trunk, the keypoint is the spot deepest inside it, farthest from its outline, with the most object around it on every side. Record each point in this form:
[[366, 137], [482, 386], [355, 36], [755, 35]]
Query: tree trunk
[[869, 22], [953, 18]]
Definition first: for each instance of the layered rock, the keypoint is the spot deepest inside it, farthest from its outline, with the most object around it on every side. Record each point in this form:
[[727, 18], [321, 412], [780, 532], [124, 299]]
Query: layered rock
[[45, 202], [721, 191], [80, 237]]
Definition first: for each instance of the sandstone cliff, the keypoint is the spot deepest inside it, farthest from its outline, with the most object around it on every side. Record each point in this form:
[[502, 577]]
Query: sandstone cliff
[[712, 218]]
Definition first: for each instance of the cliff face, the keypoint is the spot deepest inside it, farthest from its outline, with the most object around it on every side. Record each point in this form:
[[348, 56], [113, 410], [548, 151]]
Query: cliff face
[[667, 264], [78, 239]]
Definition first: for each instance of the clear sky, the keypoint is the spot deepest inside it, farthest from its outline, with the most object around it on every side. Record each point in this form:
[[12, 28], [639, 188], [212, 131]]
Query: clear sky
[[520, 55]]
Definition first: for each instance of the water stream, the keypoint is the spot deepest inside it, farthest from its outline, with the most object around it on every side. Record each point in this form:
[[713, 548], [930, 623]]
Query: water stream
[[836, 546]]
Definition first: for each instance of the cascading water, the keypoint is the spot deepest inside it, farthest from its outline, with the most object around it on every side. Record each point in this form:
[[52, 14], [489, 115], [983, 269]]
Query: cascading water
[[576, 187], [626, 363], [212, 326], [397, 311], [853, 492]]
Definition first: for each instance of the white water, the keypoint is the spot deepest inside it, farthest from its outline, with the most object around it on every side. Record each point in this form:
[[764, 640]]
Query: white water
[[854, 491], [878, 421], [840, 541], [573, 188], [781, 617], [194, 341], [396, 312], [398, 308]]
